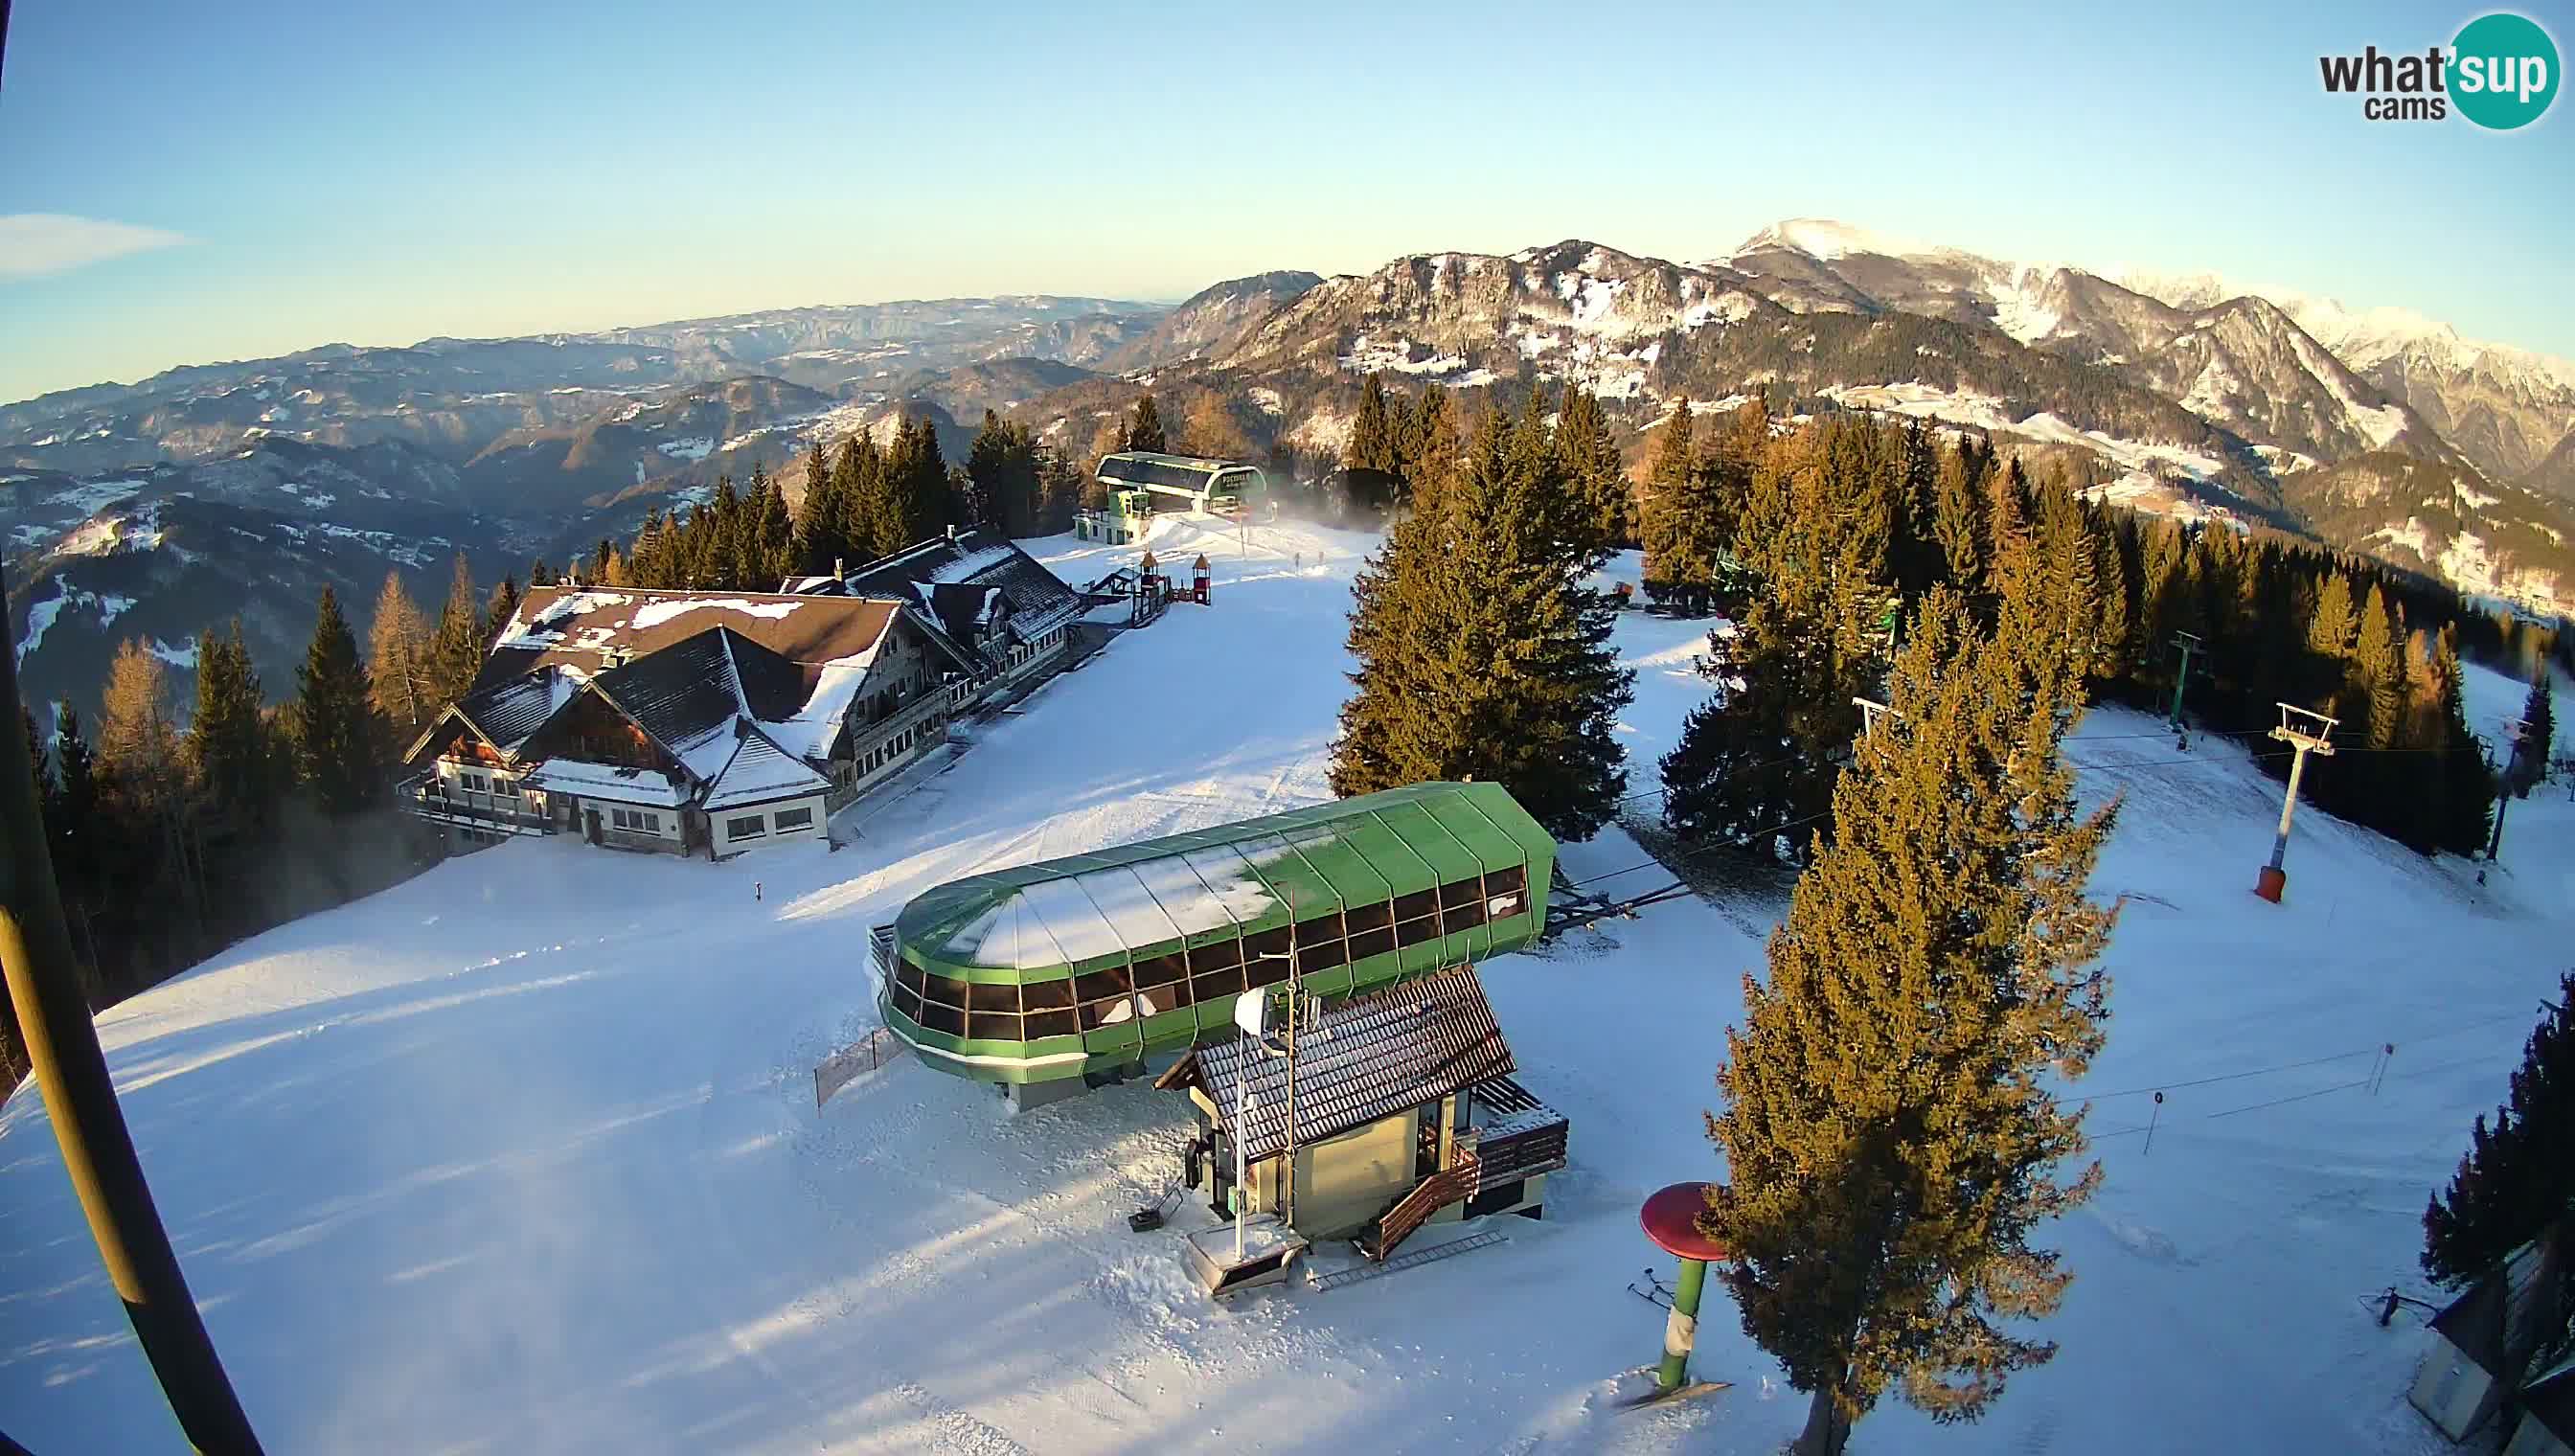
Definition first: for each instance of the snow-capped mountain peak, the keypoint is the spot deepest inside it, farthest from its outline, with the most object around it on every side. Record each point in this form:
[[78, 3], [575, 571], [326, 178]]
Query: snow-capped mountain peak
[[1826, 241]]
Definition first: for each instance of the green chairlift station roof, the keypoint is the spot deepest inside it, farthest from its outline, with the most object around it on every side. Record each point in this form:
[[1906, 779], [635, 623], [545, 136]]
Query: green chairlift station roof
[[1091, 963]]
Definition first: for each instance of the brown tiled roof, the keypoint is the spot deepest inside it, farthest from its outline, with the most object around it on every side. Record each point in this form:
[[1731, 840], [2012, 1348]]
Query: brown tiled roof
[[570, 624], [1372, 1056]]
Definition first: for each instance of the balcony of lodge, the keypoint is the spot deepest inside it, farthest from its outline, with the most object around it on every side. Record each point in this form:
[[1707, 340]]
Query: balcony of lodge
[[434, 800]]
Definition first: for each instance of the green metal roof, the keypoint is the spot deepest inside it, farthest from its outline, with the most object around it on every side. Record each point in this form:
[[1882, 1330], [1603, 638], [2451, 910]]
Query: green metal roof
[[1051, 919]]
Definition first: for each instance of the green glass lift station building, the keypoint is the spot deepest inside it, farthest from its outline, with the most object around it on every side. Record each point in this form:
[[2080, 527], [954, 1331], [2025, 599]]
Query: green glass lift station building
[[1051, 977]]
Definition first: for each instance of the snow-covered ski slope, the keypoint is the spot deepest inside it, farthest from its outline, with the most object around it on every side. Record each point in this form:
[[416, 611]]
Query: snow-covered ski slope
[[522, 1155]]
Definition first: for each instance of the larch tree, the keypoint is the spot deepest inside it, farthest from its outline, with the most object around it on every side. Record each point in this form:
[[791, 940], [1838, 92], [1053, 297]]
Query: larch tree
[[338, 738], [398, 666], [1891, 1138], [1479, 656], [2515, 1179], [1211, 429], [138, 764]]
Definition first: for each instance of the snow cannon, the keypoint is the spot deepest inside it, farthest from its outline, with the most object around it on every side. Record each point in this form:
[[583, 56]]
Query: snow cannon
[[1052, 979], [1672, 1222]]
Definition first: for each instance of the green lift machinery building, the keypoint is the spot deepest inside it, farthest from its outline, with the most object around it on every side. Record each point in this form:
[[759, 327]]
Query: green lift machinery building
[[1052, 978]]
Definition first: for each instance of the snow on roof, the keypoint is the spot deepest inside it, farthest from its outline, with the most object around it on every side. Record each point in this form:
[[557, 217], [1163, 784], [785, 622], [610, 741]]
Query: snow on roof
[[573, 626], [1376, 1055], [809, 732], [968, 565], [653, 614], [761, 771], [607, 780]]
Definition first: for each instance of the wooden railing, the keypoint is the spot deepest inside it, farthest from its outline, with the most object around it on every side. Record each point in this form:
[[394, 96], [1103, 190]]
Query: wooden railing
[[1449, 1185], [1522, 1153], [431, 798]]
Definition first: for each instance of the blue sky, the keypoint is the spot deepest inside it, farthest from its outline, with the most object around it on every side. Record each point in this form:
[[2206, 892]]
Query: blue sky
[[379, 174]]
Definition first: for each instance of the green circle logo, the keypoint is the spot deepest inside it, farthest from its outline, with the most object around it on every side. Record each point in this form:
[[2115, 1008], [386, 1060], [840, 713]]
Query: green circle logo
[[2503, 71]]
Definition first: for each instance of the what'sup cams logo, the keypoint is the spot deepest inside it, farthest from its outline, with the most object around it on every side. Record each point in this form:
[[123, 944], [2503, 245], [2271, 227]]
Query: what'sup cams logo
[[2500, 72]]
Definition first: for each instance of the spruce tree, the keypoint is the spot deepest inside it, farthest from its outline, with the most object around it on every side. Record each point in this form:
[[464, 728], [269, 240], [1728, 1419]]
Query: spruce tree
[[338, 738], [505, 606], [1888, 1131], [2467, 787], [1916, 554], [1479, 656], [1144, 428], [1664, 503], [2516, 1178], [1959, 519], [1431, 450], [227, 742], [2538, 733], [818, 482], [1595, 476], [1372, 461], [456, 645], [1759, 759]]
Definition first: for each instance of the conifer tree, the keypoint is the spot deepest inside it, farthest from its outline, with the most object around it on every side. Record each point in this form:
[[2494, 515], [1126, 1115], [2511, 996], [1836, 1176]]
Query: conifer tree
[[1211, 429], [505, 606], [339, 740], [398, 661], [818, 481], [1916, 554], [1144, 428], [772, 539], [1595, 476], [2538, 733], [539, 574], [1959, 519], [1478, 654], [1372, 461], [37, 754], [228, 741], [2516, 1178], [1431, 450], [139, 766], [1664, 503], [456, 645], [71, 814], [2330, 629], [1759, 758], [1006, 471], [2467, 788], [1889, 1137]]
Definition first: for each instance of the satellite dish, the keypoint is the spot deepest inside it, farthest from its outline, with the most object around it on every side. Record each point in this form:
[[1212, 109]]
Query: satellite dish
[[1252, 1012]]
